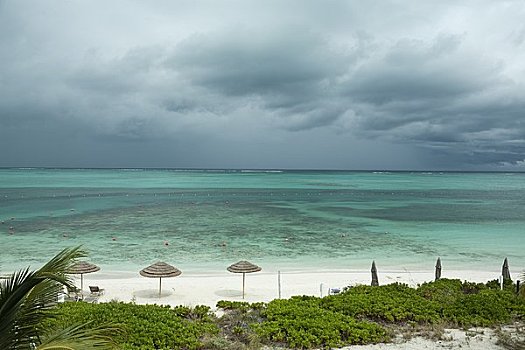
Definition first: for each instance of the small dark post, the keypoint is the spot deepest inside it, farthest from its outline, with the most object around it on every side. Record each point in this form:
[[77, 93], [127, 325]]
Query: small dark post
[[438, 269], [518, 287], [505, 270], [375, 280]]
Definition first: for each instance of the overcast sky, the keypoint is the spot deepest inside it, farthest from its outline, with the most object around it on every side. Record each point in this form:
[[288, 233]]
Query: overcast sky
[[263, 84]]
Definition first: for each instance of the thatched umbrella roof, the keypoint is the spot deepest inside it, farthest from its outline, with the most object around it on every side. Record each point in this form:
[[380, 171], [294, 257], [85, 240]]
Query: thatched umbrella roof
[[160, 270], [438, 269], [505, 269], [243, 267], [80, 268], [375, 280]]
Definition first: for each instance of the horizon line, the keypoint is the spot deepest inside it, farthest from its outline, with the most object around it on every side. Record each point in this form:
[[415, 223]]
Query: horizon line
[[259, 169]]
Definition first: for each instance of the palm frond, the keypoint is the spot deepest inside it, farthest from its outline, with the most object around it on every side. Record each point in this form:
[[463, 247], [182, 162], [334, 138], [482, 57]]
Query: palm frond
[[56, 268], [12, 295], [37, 306], [79, 337], [26, 294]]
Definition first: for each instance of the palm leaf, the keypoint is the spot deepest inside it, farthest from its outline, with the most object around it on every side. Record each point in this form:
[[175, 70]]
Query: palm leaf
[[79, 337], [27, 294], [11, 301], [37, 306]]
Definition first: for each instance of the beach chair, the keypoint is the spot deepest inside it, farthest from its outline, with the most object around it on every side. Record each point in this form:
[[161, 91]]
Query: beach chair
[[333, 291], [96, 291], [91, 298], [73, 294]]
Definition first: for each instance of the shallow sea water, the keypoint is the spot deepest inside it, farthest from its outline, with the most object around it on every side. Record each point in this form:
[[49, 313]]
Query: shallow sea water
[[280, 219]]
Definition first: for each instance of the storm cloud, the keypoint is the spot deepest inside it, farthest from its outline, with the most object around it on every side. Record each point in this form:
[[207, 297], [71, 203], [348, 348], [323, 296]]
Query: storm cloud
[[300, 84]]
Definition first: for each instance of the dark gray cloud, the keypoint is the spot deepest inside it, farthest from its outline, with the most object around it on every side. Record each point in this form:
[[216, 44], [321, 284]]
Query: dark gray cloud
[[263, 84], [241, 62]]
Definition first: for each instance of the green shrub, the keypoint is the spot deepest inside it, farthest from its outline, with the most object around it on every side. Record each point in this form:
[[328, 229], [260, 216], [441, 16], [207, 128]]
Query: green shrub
[[392, 303], [507, 285], [442, 292], [144, 326], [300, 322], [473, 304], [239, 305], [472, 287], [487, 308]]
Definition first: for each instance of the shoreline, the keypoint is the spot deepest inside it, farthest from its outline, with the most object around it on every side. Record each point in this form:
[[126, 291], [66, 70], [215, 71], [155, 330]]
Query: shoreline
[[305, 265]]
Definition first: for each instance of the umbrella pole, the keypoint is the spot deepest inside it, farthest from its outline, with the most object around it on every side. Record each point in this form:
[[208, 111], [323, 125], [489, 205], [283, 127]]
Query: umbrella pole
[[279, 282], [160, 285], [243, 279]]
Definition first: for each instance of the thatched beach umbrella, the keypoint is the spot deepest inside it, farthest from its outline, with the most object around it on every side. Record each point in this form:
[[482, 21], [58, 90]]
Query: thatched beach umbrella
[[160, 270], [375, 280], [243, 267], [80, 268], [505, 270], [438, 269]]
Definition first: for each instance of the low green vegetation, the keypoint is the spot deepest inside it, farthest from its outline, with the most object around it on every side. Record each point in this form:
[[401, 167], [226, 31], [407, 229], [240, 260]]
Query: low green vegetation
[[359, 315], [303, 322], [393, 303], [144, 327]]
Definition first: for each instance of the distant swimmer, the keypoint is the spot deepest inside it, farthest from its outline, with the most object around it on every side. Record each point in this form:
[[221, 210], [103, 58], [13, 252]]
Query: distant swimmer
[[64, 235], [222, 244], [11, 230], [114, 238], [166, 243]]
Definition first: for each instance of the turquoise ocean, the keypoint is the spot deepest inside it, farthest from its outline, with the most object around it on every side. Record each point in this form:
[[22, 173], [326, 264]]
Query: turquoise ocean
[[277, 219]]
